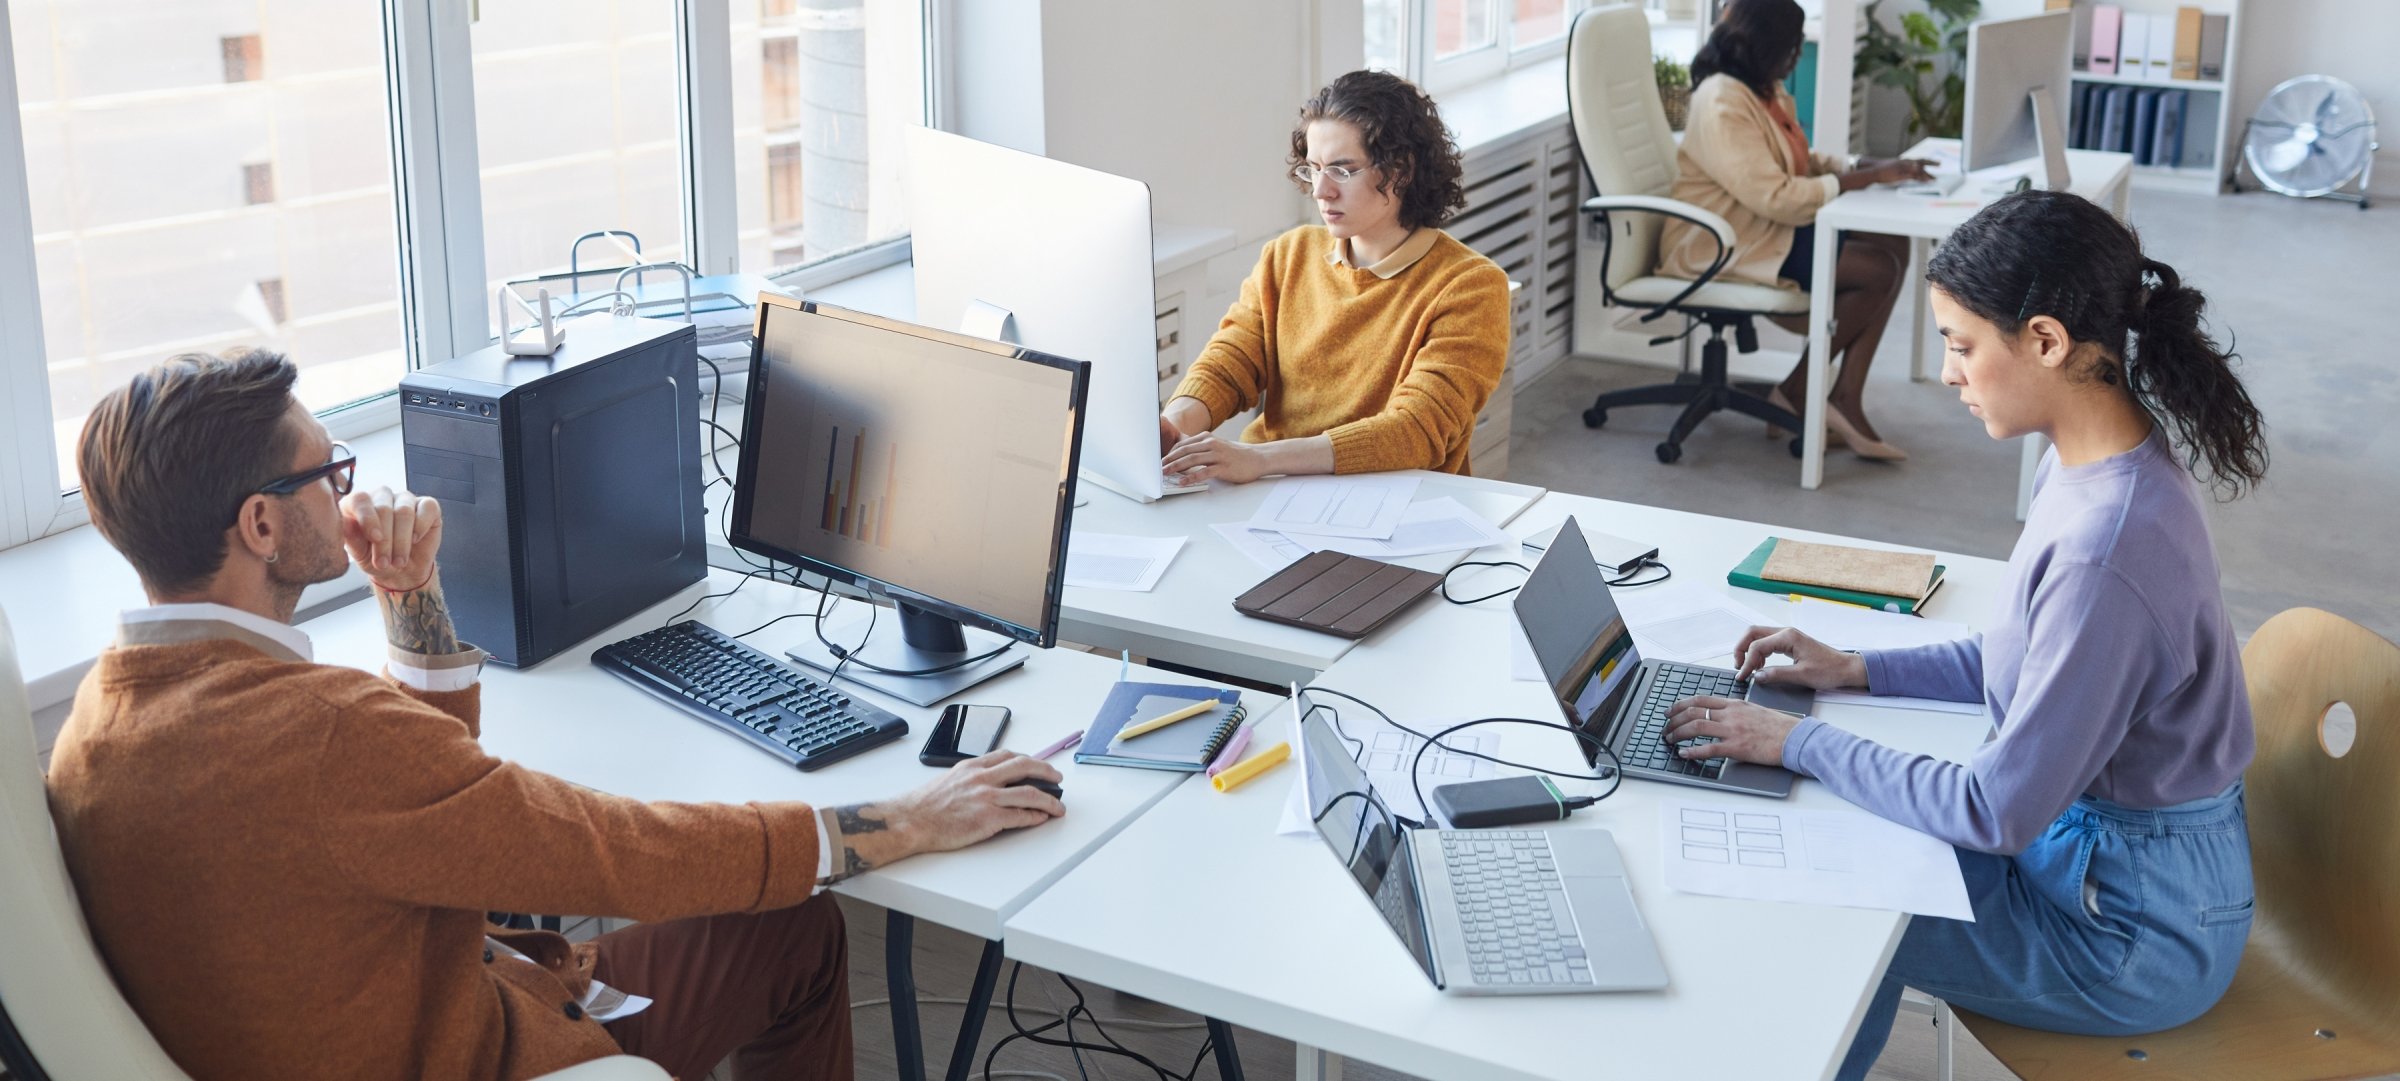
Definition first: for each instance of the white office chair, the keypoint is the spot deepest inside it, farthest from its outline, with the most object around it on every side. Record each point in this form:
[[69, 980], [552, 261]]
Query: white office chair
[[1629, 153], [61, 1018]]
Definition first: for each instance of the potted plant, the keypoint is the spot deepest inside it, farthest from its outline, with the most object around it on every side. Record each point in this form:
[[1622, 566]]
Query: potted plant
[[1906, 61], [1674, 89]]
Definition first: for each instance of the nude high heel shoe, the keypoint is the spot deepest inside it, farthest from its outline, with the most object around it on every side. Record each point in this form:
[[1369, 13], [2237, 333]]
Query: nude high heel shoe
[[1838, 432]]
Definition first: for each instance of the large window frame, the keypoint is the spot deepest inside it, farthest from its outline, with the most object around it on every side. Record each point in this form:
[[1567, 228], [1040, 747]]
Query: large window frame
[[437, 221], [1491, 61]]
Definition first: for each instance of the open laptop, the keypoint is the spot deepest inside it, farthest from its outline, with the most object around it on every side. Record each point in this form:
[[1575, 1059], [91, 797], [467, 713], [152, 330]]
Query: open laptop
[[1605, 687], [1484, 912]]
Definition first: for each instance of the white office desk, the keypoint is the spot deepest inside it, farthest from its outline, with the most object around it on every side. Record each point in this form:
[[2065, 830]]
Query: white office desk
[[1189, 618], [2101, 176], [1200, 905]]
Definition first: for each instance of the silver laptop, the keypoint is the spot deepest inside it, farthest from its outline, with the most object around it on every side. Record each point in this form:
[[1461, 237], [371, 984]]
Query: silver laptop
[[1605, 688], [1484, 912]]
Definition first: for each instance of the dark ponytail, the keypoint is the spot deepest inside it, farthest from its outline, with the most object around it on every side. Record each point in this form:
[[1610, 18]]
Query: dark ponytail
[[1750, 42], [2057, 254]]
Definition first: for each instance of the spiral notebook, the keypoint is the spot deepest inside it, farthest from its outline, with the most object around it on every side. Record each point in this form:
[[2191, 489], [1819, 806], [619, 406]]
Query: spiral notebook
[[1186, 745]]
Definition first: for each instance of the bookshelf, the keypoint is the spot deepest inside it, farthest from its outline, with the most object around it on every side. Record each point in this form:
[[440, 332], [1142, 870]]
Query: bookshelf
[[2210, 127]]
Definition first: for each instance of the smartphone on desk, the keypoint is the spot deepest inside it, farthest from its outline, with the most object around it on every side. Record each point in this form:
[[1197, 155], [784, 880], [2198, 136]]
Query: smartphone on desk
[[965, 731]]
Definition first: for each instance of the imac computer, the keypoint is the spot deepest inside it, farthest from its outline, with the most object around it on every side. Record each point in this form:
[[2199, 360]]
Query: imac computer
[[1056, 257], [929, 468], [2017, 91]]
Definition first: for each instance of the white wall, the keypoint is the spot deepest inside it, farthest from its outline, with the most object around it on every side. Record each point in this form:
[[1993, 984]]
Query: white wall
[[1194, 99], [2352, 40]]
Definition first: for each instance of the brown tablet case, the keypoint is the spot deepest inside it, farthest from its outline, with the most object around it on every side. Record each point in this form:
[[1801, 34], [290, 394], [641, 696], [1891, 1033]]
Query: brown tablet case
[[1339, 594]]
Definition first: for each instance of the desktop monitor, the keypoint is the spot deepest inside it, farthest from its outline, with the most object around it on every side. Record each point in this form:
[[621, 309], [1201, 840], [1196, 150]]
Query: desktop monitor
[[1055, 257], [928, 467], [2018, 75]]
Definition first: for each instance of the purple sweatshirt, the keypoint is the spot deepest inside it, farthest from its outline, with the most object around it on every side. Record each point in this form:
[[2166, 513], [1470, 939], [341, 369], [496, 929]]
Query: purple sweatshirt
[[2111, 671]]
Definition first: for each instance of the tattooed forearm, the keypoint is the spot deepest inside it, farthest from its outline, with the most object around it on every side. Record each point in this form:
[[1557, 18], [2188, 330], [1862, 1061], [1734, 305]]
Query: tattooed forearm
[[860, 837], [418, 621]]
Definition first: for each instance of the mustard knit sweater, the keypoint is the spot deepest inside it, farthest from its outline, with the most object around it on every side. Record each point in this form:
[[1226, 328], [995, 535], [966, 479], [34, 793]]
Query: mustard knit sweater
[[1393, 369]]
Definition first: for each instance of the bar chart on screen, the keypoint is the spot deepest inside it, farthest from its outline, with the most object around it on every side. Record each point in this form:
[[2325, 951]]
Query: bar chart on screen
[[861, 478]]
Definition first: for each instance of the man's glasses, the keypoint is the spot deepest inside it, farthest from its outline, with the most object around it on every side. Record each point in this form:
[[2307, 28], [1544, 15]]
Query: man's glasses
[[337, 470], [1308, 174]]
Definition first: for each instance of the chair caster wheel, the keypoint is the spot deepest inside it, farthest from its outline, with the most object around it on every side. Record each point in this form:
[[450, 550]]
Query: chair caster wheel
[[1797, 451], [1668, 452], [1595, 417]]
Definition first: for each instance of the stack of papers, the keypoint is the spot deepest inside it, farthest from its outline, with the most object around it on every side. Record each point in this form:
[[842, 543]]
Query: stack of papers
[[1112, 561], [1370, 516]]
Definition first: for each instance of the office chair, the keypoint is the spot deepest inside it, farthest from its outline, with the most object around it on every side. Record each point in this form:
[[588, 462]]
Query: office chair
[[61, 1017], [2318, 990], [1629, 154]]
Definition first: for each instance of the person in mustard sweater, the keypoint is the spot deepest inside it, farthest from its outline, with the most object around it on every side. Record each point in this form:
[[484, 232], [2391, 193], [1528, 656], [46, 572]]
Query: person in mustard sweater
[[1369, 342], [287, 864], [1745, 159]]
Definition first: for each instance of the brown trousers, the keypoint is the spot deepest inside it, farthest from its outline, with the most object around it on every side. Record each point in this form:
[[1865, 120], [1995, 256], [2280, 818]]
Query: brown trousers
[[773, 989]]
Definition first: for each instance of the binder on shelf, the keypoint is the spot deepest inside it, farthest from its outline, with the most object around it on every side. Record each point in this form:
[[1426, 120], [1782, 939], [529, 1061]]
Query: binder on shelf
[[2212, 46], [2079, 115], [2080, 41], [2187, 43], [2107, 20], [2116, 119], [2166, 148], [2133, 45], [2159, 62], [2145, 125]]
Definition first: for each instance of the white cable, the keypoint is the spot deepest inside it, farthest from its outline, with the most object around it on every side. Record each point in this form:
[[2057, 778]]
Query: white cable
[[1124, 1022]]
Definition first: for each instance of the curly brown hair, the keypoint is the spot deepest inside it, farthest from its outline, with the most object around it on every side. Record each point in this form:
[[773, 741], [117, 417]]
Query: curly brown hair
[[1405, 138]]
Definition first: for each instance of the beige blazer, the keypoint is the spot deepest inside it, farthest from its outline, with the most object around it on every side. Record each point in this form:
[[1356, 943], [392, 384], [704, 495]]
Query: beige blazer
[[1736, 163]]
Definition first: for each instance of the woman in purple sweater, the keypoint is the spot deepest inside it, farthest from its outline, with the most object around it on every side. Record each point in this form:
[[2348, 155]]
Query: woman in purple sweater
[[2101, 829]]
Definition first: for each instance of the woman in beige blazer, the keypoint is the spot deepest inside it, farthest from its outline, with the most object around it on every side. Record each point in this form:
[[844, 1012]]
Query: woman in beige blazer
[[1745, 158]]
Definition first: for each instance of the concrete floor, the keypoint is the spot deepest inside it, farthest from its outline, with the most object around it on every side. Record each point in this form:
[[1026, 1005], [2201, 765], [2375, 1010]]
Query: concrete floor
[[2292, 285]]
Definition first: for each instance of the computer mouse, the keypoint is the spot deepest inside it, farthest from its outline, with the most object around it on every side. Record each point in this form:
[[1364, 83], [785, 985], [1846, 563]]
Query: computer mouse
[[1055, 791]]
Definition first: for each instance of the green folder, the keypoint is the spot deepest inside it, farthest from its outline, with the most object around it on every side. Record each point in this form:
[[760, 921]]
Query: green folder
[[1749, 576]]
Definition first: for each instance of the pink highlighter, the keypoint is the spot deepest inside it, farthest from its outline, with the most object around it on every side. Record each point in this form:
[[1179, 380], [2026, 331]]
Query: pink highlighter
[[1232, 752]]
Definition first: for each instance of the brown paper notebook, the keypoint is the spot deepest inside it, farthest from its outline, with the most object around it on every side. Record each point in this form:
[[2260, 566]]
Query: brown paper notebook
[[1865, 570], [1335, 593]]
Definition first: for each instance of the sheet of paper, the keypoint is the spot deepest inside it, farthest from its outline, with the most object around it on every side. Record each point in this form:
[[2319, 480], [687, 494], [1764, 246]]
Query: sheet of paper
[[1893, 701], [1681, 621], [1114, 561], [1845, 626], [1764, 852], [1434, 525], [1386, 754], [1265, 547], [1365, 505]]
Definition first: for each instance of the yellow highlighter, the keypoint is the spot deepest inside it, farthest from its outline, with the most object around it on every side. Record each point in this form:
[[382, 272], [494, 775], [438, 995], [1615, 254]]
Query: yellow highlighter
[[1163, 720], [1250, 767], [1800, 597]]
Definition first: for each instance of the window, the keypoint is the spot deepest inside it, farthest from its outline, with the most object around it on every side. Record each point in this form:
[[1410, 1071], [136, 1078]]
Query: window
[[1387, 36], [1464, 41], [821, 95], [138, 120], [576, 130]]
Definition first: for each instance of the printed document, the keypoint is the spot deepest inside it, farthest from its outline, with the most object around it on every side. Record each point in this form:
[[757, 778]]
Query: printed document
[[1113, 561], [1367, 505], [1766, 852], [1435, 525]]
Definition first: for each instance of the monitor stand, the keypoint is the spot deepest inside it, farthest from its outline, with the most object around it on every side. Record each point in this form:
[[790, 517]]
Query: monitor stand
[[2050, 133], [925, 640]]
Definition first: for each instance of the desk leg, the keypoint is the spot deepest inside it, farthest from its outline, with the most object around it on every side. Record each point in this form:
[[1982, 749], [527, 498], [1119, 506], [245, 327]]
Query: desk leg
[[1820, 349], [900, 976], [1311, 1064], [979, 1006], [1920, 303], [1229, 1060]]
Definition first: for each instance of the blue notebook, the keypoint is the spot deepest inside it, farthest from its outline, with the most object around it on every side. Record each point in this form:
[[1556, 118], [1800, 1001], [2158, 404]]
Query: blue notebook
[[1186, 745]]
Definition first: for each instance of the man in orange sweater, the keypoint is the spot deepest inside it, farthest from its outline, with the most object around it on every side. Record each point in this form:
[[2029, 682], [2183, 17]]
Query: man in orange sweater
[[1369, 342], [287, 864]]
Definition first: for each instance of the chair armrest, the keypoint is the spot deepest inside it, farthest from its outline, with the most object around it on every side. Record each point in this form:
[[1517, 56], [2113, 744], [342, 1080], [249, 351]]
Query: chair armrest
[[1675, 208], [612, 1068]]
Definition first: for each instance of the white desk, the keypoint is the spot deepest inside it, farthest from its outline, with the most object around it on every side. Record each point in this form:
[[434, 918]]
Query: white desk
[[575, 721], [1200, 905], [2101, 176], [1189, 618]]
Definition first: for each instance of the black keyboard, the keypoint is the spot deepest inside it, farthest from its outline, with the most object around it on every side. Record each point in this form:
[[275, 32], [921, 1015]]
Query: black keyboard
[[750, 694], [1670, 683]]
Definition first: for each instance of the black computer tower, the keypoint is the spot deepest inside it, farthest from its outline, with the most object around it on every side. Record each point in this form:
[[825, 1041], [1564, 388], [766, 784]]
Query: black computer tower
[[569, 484]]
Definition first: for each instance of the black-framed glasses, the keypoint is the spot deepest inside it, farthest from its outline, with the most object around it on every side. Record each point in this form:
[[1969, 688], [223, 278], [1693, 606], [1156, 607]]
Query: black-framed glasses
[[340, 466]]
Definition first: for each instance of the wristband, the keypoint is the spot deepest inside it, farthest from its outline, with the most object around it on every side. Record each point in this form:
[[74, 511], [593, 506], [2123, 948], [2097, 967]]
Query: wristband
[[429, 576]]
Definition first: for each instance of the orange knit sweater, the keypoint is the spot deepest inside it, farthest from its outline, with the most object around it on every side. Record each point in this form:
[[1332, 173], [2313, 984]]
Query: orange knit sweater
[[287, 867], [1394, 370]]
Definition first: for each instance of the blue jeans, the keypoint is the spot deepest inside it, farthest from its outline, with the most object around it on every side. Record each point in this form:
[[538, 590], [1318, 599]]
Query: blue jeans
[[2172, 892]]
